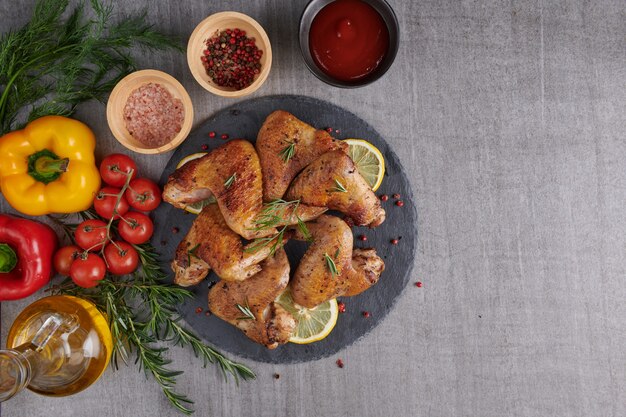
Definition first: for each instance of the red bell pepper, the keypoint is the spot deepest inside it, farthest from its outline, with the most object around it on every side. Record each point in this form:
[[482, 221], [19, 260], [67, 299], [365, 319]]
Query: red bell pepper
[[26, 251]]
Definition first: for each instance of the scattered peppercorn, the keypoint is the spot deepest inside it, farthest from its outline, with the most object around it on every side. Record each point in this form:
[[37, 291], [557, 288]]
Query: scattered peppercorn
[[363, 238], [399, 203], [276, 376], [336, 130], [207, 313], [341, 306], [396, 196], [204, 146], [339, 363], [198, 310], [163, 242], [365, 314], [232, 59], [418, 284], [329, 129], [224, 136], [384, 197], [211, 134], [175, 230], [394, 241]]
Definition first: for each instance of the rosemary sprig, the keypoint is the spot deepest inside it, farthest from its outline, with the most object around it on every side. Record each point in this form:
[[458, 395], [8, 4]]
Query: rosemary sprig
[[192, 252], [245, 310], [330, 263], [62, 58], [339, 187], [143, 318], [288, 151], [230, 181]]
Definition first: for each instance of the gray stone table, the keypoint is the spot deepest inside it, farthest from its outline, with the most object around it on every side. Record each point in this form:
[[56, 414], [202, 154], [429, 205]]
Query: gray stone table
[[509, 117]]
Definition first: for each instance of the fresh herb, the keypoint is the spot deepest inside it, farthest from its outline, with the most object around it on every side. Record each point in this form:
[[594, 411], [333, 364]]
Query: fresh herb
[[62, 58], [192, 252], [275, 213], [230, 181], [142, 313], [339, 187], [288, 152], [247, 314], [330, 263]]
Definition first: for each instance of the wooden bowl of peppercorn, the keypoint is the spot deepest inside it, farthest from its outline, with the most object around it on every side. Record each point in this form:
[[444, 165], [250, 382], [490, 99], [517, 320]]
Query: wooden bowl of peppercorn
[[229, 54]]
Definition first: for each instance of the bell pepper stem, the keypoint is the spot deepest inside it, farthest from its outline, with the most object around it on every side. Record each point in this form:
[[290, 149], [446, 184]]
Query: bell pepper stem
[[8, 258], [45, 166]]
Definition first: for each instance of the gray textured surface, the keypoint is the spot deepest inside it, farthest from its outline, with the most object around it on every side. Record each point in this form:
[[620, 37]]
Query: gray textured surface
[[510, 117]]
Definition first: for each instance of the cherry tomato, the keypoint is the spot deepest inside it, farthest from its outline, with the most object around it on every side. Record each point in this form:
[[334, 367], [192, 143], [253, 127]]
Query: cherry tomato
[[114, 169], [121, 257], [64, 257], [135, 228], [143, 194], [105, 202], [91, 234], [87, 270]]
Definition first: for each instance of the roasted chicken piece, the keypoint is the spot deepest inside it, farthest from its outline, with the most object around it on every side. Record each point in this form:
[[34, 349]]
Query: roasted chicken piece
[[232, 173], [210, 243], [333, 181], [286, 145], [330, 268], [257, 316]]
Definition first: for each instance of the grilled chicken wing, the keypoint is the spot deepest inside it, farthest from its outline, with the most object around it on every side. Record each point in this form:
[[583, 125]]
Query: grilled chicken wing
[[233, 174], [272, 325], [212, 242], [357, 270], [333, 181], [279, 131]]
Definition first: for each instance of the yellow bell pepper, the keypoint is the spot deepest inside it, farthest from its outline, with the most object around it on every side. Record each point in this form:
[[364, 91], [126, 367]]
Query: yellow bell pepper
[[49, 167]]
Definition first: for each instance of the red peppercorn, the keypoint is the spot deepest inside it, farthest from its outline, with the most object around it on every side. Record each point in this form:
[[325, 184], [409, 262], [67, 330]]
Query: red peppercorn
[[365, 314], [339, 363], [211, 134], [394, 241], [198, 310], [363, 238], [207, 313], [341, 307], [384, 197], [418, 284], [329, 129], [224, 136], [396, 196], [175, 230], [399, 203], [204, 146]]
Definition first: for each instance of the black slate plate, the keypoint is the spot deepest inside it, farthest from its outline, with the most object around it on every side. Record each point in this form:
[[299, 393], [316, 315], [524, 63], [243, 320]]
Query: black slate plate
[[243, 120]]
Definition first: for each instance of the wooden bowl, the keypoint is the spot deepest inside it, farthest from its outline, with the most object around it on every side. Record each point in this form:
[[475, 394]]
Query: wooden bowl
[[119, 97], [216, 23]]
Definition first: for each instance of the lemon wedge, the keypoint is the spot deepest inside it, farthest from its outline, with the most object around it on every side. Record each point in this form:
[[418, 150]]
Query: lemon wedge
[[314, 324], [368, 160]]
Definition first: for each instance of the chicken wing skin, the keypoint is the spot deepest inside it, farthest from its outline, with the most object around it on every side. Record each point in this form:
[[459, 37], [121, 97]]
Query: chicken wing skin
[[211, 241], [333, 181], [279, 130], [272, 325], [232, 173], [357, 270]]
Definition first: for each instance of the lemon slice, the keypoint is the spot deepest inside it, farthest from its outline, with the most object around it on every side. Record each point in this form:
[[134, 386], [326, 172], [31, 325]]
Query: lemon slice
[[197, 207], [314, 324], [368, 160]]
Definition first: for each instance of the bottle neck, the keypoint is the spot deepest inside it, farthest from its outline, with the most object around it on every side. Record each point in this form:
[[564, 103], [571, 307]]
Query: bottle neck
[[15, 373]]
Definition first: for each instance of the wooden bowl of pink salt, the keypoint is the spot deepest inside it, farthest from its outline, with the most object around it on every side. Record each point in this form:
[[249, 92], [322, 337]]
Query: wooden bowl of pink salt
[[149, 112]]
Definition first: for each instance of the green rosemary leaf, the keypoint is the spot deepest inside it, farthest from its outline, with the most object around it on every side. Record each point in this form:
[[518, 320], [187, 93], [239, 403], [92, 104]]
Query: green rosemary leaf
[[230, 181], [331, 265], [288, 152], [339, 187], [247, 314]]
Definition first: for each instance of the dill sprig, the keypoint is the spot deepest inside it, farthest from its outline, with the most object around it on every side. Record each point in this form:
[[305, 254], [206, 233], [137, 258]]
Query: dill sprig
[[339, 187], [143, 318], [276, 213], [330, 263], [63, 58], [288, 151]]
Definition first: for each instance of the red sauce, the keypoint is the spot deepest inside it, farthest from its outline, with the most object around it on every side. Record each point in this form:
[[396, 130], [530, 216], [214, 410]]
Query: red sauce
[[348, 39]]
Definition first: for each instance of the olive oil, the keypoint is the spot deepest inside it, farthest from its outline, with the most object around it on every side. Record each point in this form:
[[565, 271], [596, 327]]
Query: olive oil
[[57, 346]]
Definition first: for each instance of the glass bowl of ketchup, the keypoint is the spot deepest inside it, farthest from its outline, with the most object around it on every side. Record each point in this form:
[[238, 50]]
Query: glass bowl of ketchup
[[349, 43]]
